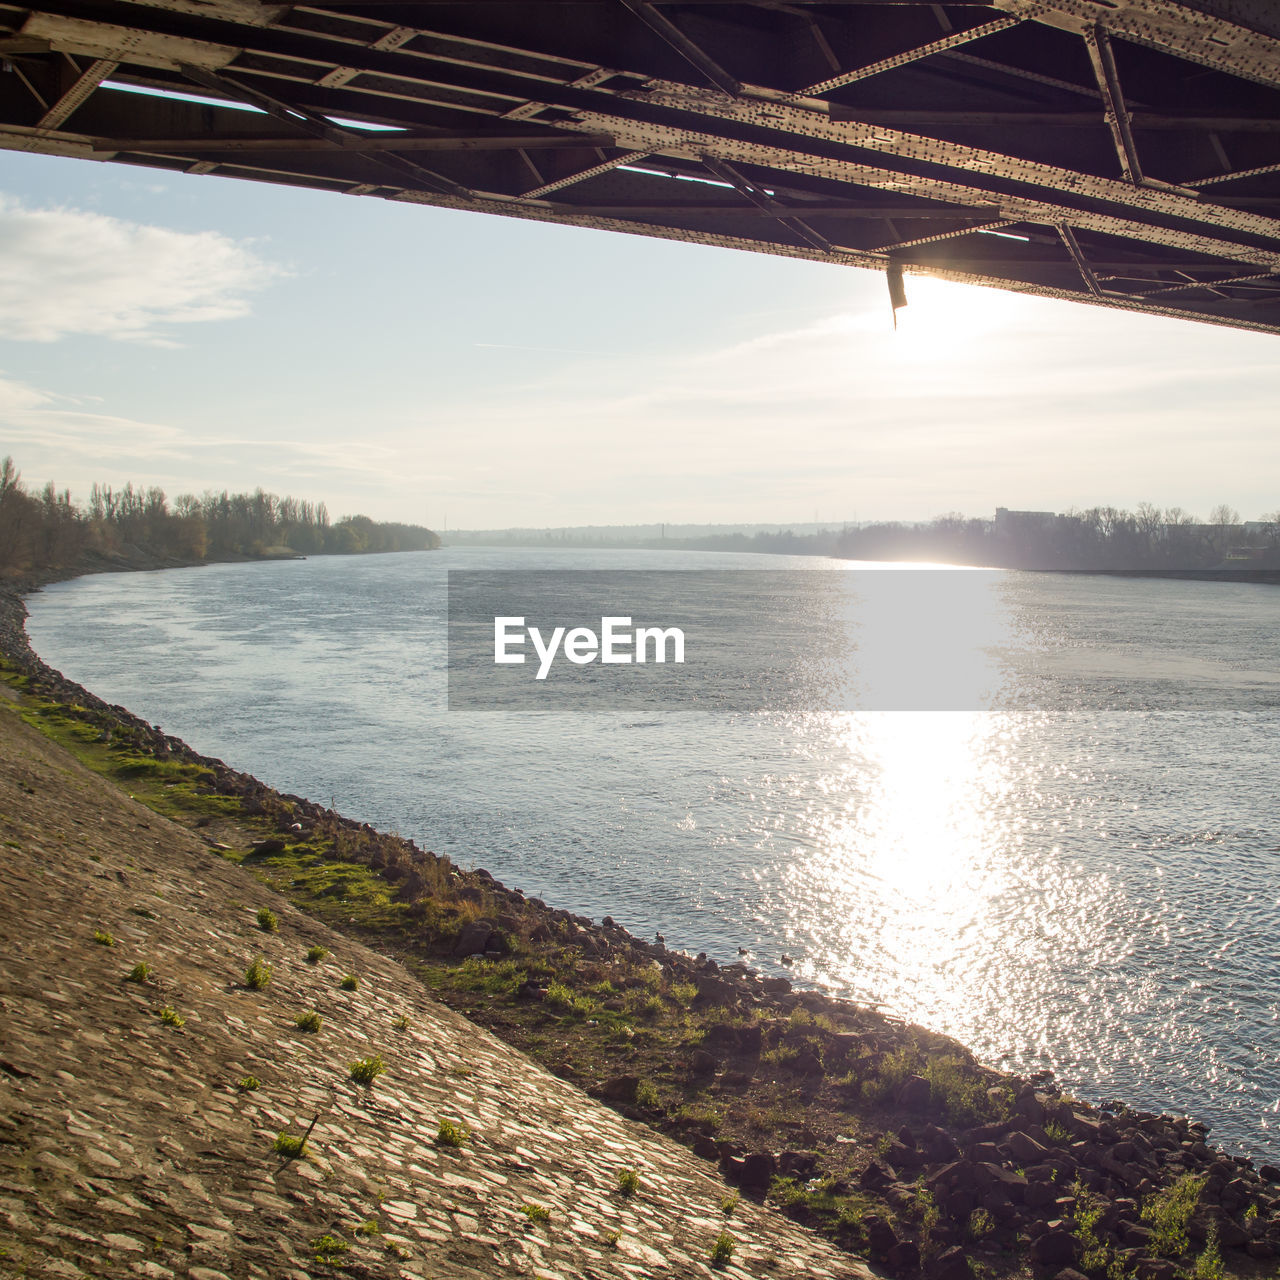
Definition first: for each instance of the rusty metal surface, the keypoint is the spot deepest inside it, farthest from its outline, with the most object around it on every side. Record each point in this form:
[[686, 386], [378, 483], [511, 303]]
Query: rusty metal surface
[[1123, 153]]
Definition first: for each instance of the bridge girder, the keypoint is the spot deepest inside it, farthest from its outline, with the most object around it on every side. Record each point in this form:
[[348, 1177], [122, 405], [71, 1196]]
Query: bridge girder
[[1124, 153]]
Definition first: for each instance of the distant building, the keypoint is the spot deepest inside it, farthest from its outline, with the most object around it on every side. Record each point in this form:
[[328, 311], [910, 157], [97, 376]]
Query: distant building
[[1009, 522]]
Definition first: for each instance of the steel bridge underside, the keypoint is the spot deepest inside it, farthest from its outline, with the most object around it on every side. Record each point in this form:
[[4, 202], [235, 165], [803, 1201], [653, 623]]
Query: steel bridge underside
[[1124, 153]]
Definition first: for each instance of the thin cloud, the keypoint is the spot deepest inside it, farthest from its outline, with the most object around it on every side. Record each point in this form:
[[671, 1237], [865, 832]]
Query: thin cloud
[[68, 271]]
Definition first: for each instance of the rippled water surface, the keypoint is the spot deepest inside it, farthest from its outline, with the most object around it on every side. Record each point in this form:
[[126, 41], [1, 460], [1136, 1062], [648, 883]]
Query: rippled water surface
[[1078, 869]]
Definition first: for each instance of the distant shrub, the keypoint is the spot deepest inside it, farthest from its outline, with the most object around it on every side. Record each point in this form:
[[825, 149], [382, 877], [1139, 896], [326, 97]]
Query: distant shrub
[[248, 1084], [536, 1212], [267, 921], [172, 1018], [257, 975], [628, 1181], [141, 972], [350, 983], [103, 938], [647, 1094], [310, 1022], [316, 954]]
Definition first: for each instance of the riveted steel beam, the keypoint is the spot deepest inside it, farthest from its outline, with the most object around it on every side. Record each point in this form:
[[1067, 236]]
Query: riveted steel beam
[[907, 56], [1170, 26], [318, 127], [76, 96], [1077, 256], [763, 201], [686, 48], [1118, 121], [366, 143]]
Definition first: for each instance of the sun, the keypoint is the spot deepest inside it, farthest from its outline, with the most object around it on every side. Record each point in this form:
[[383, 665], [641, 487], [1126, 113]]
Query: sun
[[944, 321]]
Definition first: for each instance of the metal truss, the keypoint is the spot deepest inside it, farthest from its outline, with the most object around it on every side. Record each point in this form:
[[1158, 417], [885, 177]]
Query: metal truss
[[1123, 153]]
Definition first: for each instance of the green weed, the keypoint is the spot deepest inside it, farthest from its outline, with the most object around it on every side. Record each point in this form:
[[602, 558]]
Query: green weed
[[329, 1248], [257, 975], [366, 1070], [452, 1134], [1169, 1211], [1209, 1263], [722, 1250], [289, 1145]]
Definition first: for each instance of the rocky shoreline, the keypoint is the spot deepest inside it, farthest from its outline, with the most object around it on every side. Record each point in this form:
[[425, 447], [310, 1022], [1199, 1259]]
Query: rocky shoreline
[[913, 1153]]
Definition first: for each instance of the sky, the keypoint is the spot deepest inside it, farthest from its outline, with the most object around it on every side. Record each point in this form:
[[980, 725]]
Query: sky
[[467, 371]]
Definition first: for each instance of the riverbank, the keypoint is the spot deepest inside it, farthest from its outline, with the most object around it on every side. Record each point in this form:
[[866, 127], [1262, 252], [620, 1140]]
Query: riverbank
[[889, 1138]]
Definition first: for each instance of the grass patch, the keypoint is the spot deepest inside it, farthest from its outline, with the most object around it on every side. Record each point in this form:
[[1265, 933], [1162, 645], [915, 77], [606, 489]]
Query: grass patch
[[267, 921], [452, 1134], [729, 1204], [400, 1023], [258, 975], [289, 1145], [103, 938], [366, 1070], [350, 983], [494, 977], [172, 1018], [370, 1227], [141, 972], [329, 1249], [980, 1224], [309, 1022], [248, 1084], [536, 1212], [722, 1250], [316, 954], [1169, 1212], [628, 1182], [560, 996], [1209, 1264], [647, 1095]]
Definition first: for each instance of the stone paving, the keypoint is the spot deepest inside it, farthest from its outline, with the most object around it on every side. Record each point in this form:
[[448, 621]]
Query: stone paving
[[128, 1147]]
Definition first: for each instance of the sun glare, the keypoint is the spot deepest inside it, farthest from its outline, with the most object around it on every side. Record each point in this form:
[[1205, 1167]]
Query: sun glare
[[943, 320]]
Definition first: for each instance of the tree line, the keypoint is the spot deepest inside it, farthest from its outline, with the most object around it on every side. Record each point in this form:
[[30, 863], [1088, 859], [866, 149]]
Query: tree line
[[1096, 538], [48, 531]]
